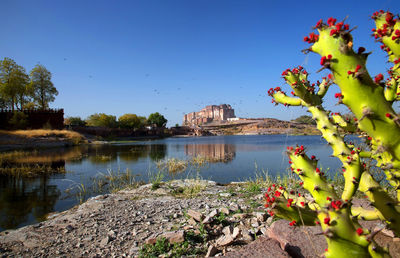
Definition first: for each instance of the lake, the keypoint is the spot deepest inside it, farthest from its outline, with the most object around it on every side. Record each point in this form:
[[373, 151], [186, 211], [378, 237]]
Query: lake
[[25, 201]]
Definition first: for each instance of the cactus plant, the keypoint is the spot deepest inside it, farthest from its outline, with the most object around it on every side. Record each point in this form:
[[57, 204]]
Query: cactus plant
[[371, 101]]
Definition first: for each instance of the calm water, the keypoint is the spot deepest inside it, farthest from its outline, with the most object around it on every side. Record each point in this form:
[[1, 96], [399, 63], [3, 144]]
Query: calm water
[[234, 158]]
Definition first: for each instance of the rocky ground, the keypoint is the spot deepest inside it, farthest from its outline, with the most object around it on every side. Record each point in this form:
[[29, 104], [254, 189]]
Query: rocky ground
[[180, 218]]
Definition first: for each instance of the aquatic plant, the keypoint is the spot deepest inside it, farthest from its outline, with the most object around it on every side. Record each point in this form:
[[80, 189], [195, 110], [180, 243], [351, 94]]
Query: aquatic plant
[[371, 102]]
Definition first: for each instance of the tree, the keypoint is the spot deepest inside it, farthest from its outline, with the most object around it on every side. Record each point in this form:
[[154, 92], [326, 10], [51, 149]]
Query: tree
[[102, 120], [13, 84], [305, 120], [131, 121], [157, 119], [42, 89], [74, 120]]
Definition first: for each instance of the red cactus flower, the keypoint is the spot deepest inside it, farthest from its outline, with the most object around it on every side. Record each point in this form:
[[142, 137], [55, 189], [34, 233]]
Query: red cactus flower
[[359, 231], [328, 198], [302, 204], [331, 21], [388, 115], [292, 223], [378, 78], [289, 202], [338, 95], [327, 220], [277, 193], [319, 24]]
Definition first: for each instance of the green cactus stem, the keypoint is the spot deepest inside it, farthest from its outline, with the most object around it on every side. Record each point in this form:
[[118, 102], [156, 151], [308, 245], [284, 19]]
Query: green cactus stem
[[380, 199], [359, 92]]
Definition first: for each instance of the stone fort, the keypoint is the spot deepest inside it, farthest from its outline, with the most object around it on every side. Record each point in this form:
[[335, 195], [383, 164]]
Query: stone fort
[[209, 114]]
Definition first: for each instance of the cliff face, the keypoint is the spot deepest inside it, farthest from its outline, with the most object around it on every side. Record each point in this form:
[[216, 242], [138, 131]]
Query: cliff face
[[209, 114]]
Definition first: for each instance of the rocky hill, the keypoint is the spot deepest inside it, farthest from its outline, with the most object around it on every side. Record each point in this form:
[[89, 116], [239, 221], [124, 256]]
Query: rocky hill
[[259, 126]]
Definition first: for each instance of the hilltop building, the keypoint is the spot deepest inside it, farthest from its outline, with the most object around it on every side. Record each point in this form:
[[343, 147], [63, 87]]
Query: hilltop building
[[209, 114]]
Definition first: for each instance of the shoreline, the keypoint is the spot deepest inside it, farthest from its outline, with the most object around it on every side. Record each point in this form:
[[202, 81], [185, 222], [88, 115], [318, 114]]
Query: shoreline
[[197, 217]]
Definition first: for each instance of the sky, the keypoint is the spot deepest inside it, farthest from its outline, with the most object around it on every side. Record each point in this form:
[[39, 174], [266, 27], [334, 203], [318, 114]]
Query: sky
[[177, 56]]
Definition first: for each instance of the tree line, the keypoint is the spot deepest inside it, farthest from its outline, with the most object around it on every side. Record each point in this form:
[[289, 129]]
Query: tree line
[[127, 121], [19, 90]]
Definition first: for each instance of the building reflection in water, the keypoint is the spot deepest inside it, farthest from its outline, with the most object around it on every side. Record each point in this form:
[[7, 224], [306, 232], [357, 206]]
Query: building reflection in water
[[219, 152]]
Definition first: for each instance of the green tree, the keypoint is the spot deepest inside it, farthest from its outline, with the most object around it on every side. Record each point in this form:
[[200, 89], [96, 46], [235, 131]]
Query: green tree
[[13, 84], [131, 121], [305, 120], [156, 119], [74, 120], [102, 120], [42, 89]]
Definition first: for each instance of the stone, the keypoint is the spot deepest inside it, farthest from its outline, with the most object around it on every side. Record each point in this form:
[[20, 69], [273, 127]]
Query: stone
[[213, 213], [105, 241], [175, 236], [264, 230], [263, 247], [225, 194], [224, 240], [236, 232], [246, 235], [239, 215], [224, 210], [151, 240], [210, 216], [212, 250], [112, 234], [261, 216], [298, 241], [195, 215], [227, 230], [192, 222], [234, 206]]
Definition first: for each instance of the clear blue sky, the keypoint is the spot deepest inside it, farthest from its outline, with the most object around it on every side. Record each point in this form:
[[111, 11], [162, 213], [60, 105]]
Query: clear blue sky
[[173, 56]]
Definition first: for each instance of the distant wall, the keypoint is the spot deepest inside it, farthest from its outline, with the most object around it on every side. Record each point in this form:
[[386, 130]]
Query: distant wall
[[36, 119]]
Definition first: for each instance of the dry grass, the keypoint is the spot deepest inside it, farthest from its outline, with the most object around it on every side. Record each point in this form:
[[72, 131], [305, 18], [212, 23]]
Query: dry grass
[[72, 136]]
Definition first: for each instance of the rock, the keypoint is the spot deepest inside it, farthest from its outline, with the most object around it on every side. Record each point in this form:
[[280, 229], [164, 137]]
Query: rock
[[236, 232], [212, 250], [224, 210], [207, 220], [192, 222], [234, 206], [264, 230], [112, 234], [175, 236], [225, 194], [151, 240], [261, 216], [224, 240], [263, 247], [105, 241], [255, 224], [227, 230], [195, 215], [246, 235], [213, 213], [240, 215], [298, 241]]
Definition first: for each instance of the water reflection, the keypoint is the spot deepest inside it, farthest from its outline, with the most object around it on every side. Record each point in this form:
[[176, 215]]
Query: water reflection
[[21, 198], [219, 152]]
